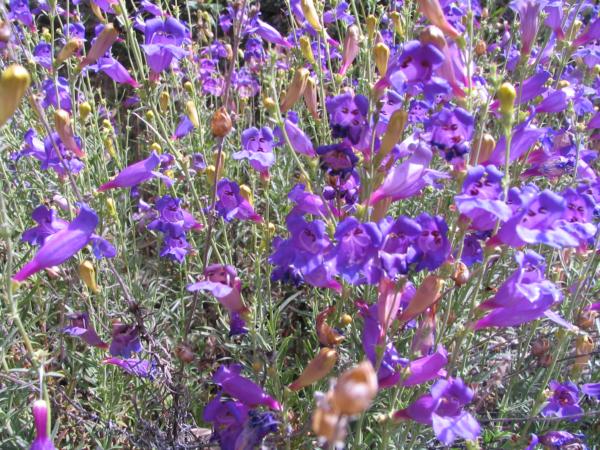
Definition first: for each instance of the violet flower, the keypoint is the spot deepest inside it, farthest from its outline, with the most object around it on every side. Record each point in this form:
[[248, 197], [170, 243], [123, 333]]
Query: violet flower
[[398, 251], [432, 243], [481, 198], [229, 378], [125, 340], [347, 115], [141, 368], [298, 140], [48, 224], [232, 205], [591, 389], [524, 137], [62, 245], [40, 418], [82, 328], [270, 34], [222, 282], [443, 409], [357, 246], [564, 401], [525, 296], [115, 71], [451, 130], [57, 95], [163, 39], [137, 173], [257, 148], [529, 11], [256, 427], [427, 367]]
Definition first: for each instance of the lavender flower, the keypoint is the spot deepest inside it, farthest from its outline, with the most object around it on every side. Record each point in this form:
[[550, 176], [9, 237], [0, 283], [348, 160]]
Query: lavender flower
[[257, 148], [163, 39], [232, 205], [141, 368], [564, 401]]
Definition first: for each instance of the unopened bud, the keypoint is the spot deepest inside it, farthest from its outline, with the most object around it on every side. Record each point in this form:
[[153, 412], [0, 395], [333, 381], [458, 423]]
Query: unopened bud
[[246, 192], [14, 82], [5, 32], [62, 122], [355, 389], [189, 87], [317, 369], [163, 101], [111, 207], [434, 36], [192, 113], [461, 273], [381, 54], [480, 48], [371, 26], [397, 21], [184, 353], [87, 274], [221, 123], [103, 42], [306, 49], [310, 98], [310, 13], [72, 46], [84, 111], [506, 96], [487, 144], [295, 89]]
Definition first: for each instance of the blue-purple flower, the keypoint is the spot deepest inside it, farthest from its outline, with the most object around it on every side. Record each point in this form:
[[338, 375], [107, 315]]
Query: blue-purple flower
[[564, 401]]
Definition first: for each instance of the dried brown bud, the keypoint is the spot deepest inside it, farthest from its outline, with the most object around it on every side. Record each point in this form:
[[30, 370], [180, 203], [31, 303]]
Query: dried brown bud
[[461, 273], [540, 347], [355, 389], [221, 123], [184, 353], [480, 48], [586, 319]]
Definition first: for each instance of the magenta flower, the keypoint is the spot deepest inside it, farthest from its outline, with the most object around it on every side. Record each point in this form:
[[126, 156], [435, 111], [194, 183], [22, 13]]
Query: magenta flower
[[243, 389], [410, 177], [427, 368], [115, 70], [62, 245], [222, 282], [270, 34], [529, 11], [40, 417], [82, 328], [137, 173]]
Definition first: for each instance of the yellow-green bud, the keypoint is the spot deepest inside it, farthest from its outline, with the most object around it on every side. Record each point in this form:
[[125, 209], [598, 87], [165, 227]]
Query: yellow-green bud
[[506, 96]]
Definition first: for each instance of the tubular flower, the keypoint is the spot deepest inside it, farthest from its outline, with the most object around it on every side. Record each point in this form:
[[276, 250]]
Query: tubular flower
[[40, 417], [137, 173]]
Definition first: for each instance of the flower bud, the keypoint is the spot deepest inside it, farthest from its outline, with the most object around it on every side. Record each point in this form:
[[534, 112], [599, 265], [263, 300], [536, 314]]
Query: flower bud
[[540, 347], [87, 274], [487, 144], [103, 42], [62, 122], [110, 147], [84, 111], [269, 104], [427, 294], [189, 87], [155, 147], [184, 353], [328, 336], [346, 319], [221, 123], [328, 425], [310, 13], [310, 98], [317, 369], [163, 101], [40, 420], [210, 173], [111, 207], [584, 345], [355, 389], [192, 113], [381, 54], [306, 49], [480, 48], [295, 89], [72, 46], [392, 135], [587, 319], [371, 26], [246, 192], [506, 96], [14, 81], [461, 273], [397, 21], [433, 11], [5, 32], [351, 48], [149, 116], [434, 36]]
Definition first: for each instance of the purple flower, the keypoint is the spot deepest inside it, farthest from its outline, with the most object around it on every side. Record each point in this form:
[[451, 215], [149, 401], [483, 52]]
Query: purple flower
[[125, 340], [256, 427], [184, 127], [347, 115], [40, 418], [257, 148], [82, 328], [542, 218], [298, 140], [591, 389], [564, 401], [306, 202], [227, 418], [19, 10], [57, 94], [222, 282], [243, 389], [443, 409], [270, 34], [398, 251], [432, 242], [42, 54], [337, 159], [48, 224], [62, 245], [525, 296], [115, 70], [245, 84], [524, 137], [559, 440], [407, 179], [232, 205], [427, 368], [163, 39], [414, 64], [141, 368], [481, 198], [137, 173], [529, 11], [358, 244], [450, 131], [555, 101]]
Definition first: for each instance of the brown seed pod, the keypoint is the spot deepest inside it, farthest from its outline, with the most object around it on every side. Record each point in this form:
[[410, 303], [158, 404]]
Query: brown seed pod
[[221, 123]]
